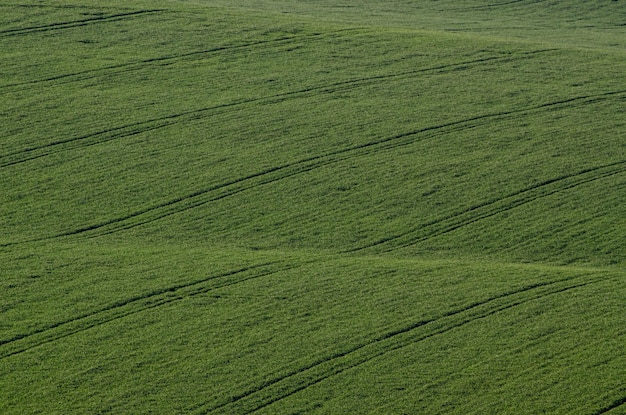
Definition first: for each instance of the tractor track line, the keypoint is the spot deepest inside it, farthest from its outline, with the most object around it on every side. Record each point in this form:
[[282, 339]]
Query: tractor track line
[[616, 404], [141, 64], [191, 204], [76, 23], [62, 6], [137, 65], [195, 199], [114, 133], [316, 372], [301, 166], [491, 208], [493, 5], [123, 303], [130, 306], [100, 137], [365, 359], [197, 114]]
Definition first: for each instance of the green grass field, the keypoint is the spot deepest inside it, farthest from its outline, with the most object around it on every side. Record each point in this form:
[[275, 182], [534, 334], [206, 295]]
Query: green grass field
[[324, 207]]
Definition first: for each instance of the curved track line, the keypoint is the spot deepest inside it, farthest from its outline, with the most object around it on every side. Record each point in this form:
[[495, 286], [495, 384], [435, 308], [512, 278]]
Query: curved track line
[[294, 381], [273, 174], [616, 404], [62, 6], [103, 136], [75, 23], [21, 343], [276, 173], [501, 4], [488, 209], [165, 59], [98, 137]]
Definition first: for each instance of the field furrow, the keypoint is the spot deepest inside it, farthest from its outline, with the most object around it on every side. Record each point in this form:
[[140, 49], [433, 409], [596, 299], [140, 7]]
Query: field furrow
[[285, 385], [449, 223], [60, 6], [52, 146], [289, 207], [24, 342], [615, 405], [170, 59], [501, 4], [76, 23], [495, 207]]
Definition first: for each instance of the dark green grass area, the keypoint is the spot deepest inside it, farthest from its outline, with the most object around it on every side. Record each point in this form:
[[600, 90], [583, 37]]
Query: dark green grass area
[[312, 207], [280, 332]]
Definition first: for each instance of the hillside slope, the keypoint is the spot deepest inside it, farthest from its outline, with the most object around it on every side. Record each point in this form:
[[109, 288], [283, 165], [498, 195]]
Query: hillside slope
[[312, 207]]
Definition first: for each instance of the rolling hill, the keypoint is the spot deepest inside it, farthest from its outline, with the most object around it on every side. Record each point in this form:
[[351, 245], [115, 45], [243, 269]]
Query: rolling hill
[[281, 207]]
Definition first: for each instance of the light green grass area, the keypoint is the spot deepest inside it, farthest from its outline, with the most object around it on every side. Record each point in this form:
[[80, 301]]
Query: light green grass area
[[285, 207]]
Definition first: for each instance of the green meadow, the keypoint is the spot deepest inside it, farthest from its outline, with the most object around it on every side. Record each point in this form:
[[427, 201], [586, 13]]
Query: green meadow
[[320, 207]]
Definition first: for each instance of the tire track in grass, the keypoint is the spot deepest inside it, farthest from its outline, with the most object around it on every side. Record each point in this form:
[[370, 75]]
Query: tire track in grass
[[290, 382], [76, 23], [614, 405], [220, 191], [285, 171], [123, 308], [103, 136], [501, 4], [62, 6], [165, 60], [494, 207], [276, 173]]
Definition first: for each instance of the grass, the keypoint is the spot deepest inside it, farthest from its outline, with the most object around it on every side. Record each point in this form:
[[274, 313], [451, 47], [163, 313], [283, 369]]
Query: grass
[[312, 207]]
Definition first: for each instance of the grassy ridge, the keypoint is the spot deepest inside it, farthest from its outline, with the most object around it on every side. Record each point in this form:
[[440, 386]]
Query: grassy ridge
[[287, 207], [597, 24], [241, 339]]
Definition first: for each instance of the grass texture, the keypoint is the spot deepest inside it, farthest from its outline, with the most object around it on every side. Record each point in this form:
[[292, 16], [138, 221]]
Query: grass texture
[[283, 207]]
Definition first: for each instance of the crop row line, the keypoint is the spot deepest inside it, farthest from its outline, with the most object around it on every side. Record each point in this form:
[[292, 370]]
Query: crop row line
[[60, 6], [123, 308], [494, 207], [288, 383], [76, 23], [98, 137], [163, 60], [276, 173], [613, 405], [493, 5]]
